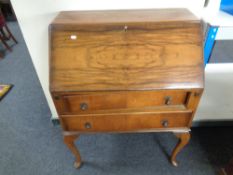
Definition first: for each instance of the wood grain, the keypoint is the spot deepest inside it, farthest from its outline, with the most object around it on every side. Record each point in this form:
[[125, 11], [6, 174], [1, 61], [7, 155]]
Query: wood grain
[[104, 17], [136, 59], [71, 104], [193, 101], [124, 122]]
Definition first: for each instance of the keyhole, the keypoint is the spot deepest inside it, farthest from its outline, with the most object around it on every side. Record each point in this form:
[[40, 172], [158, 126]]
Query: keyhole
[[73, 37], [126, 28]]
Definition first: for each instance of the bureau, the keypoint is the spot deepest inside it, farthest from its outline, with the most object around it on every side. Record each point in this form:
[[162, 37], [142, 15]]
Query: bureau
[[126, 71]]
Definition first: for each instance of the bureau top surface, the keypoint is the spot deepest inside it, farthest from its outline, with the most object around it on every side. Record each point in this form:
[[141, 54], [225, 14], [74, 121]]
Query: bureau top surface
[[146, 50], [123, 16]]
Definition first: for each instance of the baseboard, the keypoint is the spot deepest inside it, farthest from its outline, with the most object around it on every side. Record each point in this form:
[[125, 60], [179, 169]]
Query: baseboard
[[213, 123], [55, 121]]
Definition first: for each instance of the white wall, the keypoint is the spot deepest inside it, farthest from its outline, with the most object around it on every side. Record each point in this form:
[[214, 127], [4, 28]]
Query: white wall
[[216, 17], [217, 100], [35, 16]]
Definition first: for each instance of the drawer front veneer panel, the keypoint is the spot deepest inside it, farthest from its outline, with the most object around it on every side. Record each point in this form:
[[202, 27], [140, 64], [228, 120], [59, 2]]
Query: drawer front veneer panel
[[125, 122], [85, 103]]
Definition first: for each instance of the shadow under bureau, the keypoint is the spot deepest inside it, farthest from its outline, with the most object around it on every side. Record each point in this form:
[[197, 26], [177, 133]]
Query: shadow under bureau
[[126, 71]]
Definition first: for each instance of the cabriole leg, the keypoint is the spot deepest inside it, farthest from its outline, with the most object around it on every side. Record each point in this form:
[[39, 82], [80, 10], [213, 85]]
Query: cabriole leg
[[69, 141], [183, 140]]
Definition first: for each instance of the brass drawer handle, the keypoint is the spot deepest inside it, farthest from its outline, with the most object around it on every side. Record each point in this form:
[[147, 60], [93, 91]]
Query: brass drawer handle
[[168, 100], [165, 123], [87, 125], [83, 106]]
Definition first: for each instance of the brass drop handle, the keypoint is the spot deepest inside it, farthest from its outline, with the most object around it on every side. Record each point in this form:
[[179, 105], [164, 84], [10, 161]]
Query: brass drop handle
[[168, 100], [87, 125], [165, 123], [83, 106]]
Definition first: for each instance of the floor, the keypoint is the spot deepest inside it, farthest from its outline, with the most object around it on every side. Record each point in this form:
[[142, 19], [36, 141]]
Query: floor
[[222, 49], [30, 144]]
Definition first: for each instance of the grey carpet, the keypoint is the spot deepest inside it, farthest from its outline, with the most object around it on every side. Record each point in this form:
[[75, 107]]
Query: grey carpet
[[222, 52], [30, 145]]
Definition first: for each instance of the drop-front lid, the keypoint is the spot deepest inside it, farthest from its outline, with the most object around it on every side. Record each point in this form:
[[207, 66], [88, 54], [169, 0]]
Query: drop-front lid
[[126, 50]]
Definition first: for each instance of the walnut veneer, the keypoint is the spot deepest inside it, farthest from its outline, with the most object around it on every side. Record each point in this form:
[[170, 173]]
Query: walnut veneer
[[126, 71]]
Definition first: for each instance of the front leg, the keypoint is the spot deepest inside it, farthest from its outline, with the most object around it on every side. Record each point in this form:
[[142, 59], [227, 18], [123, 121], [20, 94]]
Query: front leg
[[183, 140], [69, 141]]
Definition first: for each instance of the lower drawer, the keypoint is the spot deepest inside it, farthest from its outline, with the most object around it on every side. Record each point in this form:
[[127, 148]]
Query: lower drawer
[[125, 122]]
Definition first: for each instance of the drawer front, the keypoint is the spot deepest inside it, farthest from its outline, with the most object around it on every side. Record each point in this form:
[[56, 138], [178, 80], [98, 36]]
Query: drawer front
[[125, 122], [87, 103]]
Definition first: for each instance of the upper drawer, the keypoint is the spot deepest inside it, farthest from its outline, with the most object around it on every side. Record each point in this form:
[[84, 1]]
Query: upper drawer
[[87, 103]]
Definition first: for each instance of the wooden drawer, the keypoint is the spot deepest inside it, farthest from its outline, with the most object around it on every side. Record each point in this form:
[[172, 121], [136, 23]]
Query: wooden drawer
[[125, 122], [86, 103]]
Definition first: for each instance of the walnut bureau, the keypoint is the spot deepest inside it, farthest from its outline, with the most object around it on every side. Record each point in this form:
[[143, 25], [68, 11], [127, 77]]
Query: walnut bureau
[[126, 71]]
